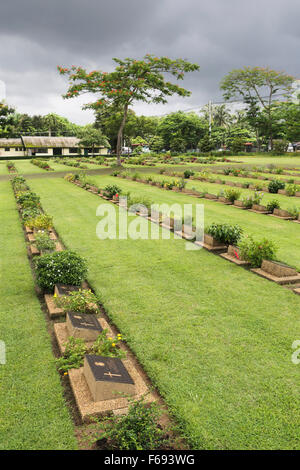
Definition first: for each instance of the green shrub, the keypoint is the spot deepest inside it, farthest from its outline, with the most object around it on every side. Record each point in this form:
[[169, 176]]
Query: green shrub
[[291, 189], [41, 222], [273, 204], [139, 429], [65, 267], [275, 185], [255, 251], [225, 233], [294, 211], [81, 301], [188, 173], [112, 190], [28, 199], [73, 356]]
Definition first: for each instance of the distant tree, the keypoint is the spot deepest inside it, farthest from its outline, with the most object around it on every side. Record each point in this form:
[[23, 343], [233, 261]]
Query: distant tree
[[260, 84], [91, 138], [181, 130], [7, 121], [132, 80]]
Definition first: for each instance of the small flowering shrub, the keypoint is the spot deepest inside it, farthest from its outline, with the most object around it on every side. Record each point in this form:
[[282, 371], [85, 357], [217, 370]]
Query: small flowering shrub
[[112, 190], [41, 222], [73, 356], [30, 213], [188, 173], [294, 211], [19, 183], [255, 198], [274, 204], [255, 251], [275, 185], [44, 242], [232, 194], [70, 177], [108, 346], [28, 199], [64, 267], [291, 189], [76, 348], [82, 301], [225, 233]]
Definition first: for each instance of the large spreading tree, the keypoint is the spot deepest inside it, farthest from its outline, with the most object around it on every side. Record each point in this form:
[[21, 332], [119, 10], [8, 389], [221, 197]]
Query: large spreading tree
[[259, 85], [131, 81]]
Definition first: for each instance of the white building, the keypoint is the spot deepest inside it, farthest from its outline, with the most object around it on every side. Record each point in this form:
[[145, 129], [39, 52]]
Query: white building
[[44, 146]]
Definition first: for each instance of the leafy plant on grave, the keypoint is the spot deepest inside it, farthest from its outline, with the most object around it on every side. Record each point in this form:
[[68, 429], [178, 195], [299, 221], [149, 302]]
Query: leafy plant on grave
[[19, 183], [273, 204], [258, 186], [41, 222], [108, 346], [275, 185], [232, 194], [291, 189], [139, 429], [135, 176], [44, 243], [70, 177], [294, 211], [28, 199], [188, 173], [73, 356], [249, 201], [30, 213], [64, 267], [225, 233], [81, 301], [255, 251], [112, 190]]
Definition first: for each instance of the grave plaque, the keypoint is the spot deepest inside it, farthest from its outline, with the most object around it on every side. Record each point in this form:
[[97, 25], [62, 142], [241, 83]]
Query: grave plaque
[[62, 289], [83, 325], [106, 377]]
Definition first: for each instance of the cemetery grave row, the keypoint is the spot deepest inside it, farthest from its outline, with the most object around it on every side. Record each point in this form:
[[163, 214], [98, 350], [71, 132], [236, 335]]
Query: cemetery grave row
[[268, 268], [101, 383]]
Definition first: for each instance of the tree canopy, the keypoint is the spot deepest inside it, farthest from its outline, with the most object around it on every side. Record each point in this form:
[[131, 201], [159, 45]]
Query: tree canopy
[[132, 80]]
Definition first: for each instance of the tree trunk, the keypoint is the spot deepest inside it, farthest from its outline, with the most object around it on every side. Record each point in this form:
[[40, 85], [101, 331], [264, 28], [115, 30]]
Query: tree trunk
[[120, 135]]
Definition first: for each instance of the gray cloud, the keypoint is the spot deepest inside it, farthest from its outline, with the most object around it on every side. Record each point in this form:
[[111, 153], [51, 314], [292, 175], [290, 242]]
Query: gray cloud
[[37, 35]]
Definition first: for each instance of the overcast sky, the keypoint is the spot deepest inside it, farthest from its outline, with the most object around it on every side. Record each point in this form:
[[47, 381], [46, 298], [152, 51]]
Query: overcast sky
[[219, 35]]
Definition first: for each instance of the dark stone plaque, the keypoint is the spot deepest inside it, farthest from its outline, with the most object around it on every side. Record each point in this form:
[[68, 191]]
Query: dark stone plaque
[[108, 369], [61, 289], [84, 320]]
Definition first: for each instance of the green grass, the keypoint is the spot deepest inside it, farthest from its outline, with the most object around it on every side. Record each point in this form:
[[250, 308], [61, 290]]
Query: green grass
[[214, 338], [3, 168], [214, 188], [33, 412]]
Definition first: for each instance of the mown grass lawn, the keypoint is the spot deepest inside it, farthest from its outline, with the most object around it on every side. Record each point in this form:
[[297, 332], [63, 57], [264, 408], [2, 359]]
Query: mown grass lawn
[[33, 412], [215, 339]]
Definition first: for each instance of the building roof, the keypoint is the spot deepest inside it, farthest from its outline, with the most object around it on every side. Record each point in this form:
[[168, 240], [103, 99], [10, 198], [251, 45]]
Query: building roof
[[42, 142], [46, 141], [11, 143]]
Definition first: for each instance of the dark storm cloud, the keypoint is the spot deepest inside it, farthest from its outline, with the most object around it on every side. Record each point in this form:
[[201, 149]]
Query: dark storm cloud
[[220, 35]]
